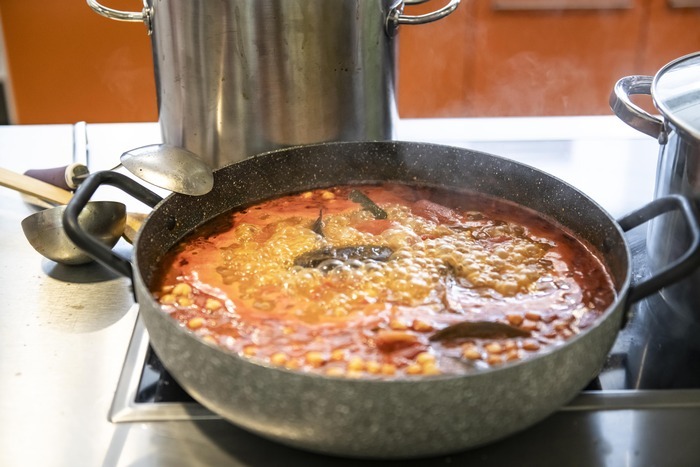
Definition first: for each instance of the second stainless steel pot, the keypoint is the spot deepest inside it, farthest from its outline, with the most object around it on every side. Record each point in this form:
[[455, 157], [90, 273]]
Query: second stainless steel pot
[[239, 77], [675, 90]]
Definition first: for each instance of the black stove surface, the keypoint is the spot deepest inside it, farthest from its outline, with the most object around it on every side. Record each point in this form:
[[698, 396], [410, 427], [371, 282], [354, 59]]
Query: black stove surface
[[658, 348]]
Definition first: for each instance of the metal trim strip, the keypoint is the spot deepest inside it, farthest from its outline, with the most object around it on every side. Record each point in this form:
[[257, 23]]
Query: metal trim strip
[[125, 409]]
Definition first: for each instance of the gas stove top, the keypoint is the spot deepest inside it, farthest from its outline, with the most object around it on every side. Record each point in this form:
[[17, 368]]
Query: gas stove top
[[655, 362]]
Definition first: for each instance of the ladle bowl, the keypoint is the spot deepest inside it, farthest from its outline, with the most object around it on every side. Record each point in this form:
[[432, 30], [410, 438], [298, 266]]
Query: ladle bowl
[[170, 167], [105, 220]]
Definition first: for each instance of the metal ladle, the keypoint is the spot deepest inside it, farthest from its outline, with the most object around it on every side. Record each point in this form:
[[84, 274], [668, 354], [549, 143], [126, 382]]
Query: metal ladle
[[171, 167], [44, 229]]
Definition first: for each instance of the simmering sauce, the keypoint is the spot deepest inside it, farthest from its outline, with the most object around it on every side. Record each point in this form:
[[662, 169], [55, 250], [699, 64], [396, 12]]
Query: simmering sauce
[[355, 281]]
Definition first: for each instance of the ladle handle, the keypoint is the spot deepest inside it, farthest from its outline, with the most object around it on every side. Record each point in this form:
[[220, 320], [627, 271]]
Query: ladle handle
[[67, 177], [32, 186], [82, 196]]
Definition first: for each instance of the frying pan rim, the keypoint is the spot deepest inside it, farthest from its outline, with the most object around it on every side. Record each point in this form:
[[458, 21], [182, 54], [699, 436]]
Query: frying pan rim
[[617, 306]]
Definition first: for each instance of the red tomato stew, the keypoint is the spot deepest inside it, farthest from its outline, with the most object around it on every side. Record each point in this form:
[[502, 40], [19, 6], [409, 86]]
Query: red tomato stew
[[363, 281]]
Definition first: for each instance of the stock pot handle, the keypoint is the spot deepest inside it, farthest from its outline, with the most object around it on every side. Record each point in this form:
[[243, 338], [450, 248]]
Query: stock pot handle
[[144, 15], [396, 16], [680, 267], [629, 112], [83, 240]]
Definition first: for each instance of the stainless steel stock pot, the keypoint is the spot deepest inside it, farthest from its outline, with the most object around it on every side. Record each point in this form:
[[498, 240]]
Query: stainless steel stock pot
[[240, 77], [676, 94]]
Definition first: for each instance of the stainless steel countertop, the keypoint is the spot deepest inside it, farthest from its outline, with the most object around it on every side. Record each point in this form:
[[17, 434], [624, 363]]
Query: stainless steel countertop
[[64, 331]]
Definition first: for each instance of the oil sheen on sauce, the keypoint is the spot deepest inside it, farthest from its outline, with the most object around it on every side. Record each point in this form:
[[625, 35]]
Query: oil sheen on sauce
[[319, 281]]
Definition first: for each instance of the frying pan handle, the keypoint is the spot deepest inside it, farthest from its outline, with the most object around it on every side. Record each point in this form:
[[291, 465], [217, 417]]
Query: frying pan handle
[[84, 241], [680, 267]]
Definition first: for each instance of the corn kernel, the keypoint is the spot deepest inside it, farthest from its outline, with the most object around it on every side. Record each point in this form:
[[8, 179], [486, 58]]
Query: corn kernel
[[167, 299], [421, 326], [430, 369], [531, 345], [414, 369], [494, 348], [397, 325], [292, 365], [337, 355], [373, 367], [512, 355], [209, 338], [182, 289], [356, 364], [184, 301], [195, 323], [494, 359], [279, 358], [335, 371], [471, 353], [533, 316], [425, 358], [515, 319], [510, 345], [315, 359]]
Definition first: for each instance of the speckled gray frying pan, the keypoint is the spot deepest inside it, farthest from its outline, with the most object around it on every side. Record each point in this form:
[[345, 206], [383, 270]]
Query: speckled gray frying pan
[[375, 418]]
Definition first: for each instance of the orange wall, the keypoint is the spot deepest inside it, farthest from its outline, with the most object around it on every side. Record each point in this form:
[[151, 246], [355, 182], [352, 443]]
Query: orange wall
[[67, 64], [484, 62], [436, 63]]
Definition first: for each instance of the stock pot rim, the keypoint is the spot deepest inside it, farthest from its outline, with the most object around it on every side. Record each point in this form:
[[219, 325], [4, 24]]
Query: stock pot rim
[[621, 284], [675, 91]]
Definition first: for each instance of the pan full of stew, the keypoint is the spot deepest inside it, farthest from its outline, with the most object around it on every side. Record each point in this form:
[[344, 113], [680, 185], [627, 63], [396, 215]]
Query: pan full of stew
[[382, 299]]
